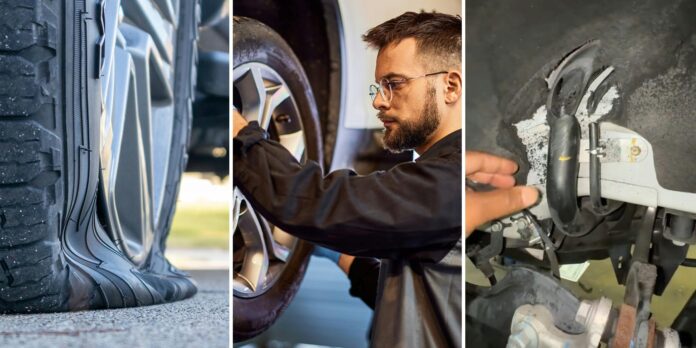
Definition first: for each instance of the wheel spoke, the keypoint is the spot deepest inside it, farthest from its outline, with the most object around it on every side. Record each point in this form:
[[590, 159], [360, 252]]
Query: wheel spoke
[[145, 16], [113, 125], [255, 267], [137, 125], [283, 238], [119, 151], [138, 47], [167, 9], [276, 95], [253, 91], [237, 200], [294, 142], [155, 109], [275, 249]]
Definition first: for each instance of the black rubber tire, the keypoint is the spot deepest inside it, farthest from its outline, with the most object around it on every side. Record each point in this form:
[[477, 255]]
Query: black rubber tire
[[255, 42], [54, 253]]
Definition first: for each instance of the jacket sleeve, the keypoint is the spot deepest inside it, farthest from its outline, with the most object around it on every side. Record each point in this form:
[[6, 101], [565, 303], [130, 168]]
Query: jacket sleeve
[[413, 206], [364, 275]]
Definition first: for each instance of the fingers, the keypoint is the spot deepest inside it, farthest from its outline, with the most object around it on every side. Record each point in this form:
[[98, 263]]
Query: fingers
[[482, 207], [496, 180], [486, 163]]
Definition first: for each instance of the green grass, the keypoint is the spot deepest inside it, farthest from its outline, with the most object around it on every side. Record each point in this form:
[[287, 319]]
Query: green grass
[[200, 226]]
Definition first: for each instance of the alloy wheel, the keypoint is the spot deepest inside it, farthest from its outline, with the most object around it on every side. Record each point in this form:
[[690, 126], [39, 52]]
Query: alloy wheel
[[262, 250], [137, 124]]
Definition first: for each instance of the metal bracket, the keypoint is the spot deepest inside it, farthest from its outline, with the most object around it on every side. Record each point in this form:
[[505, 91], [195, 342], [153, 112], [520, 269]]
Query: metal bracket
[[620, 256], [482, 257], [549, 246], [666, 254], [618, 148]]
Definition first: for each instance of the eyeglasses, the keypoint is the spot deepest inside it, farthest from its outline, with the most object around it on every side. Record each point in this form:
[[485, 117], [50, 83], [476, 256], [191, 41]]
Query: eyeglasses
[[387, 86]]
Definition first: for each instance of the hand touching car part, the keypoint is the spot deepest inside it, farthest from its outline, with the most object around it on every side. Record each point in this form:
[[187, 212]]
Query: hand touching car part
[[409, 216], [587, 116], [496, 172]]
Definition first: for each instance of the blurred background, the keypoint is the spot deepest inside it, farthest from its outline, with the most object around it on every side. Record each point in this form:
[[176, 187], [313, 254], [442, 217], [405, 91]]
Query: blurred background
[[199, 238]]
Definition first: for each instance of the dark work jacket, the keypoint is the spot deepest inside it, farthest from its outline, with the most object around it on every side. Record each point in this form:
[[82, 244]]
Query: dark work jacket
[[408, 216]]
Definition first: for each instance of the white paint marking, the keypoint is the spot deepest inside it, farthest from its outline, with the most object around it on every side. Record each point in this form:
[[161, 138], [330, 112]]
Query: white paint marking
[[534, 132]]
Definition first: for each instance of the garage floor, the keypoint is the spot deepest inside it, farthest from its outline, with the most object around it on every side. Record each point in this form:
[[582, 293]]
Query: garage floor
[[202, 320], [600, 280], [322, 314]]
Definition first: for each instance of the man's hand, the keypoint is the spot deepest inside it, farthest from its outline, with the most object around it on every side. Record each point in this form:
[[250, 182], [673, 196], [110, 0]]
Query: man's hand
[[482, 207], [238, 122]]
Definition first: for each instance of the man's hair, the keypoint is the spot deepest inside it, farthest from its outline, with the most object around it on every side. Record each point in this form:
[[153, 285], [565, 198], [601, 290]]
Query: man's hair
[[438, 37]]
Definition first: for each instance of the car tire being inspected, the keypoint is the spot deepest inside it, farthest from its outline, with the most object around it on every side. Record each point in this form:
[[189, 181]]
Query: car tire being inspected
[[67, 238], [270, 86]]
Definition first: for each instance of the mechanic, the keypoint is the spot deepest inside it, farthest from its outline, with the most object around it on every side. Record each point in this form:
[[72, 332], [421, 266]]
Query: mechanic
[[408, 216]]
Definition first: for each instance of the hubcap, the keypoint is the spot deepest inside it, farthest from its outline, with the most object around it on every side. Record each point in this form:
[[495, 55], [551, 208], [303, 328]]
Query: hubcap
[[261, 250], [137, 123]]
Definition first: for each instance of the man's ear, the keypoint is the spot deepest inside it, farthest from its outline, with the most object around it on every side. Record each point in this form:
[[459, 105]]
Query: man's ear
[[453, 86]]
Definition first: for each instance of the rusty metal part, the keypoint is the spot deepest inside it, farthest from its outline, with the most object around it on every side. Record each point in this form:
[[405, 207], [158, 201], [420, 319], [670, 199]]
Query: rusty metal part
[[625, 330], [640, 283], [651, 333], [625, 325]]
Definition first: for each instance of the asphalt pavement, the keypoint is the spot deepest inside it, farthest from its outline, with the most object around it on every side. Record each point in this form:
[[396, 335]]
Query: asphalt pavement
[[202, 321]]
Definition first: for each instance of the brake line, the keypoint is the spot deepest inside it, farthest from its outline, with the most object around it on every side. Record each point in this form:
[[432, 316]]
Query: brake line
[[549, 246]]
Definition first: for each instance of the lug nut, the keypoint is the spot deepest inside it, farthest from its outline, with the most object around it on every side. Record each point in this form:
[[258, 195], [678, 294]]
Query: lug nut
[[282, 118]]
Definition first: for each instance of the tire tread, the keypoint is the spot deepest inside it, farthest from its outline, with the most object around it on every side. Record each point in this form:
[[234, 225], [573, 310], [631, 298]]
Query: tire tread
[[33, 276]]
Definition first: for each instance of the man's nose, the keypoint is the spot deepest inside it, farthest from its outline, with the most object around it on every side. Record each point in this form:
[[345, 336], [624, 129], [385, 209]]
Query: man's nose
[[379, 103]]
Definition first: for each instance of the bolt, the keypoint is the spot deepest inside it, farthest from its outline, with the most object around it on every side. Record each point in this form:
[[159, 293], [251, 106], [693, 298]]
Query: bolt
[[635, 150], [523, 228], [678, 243], [496, 226], [521, 224], [219, 152]]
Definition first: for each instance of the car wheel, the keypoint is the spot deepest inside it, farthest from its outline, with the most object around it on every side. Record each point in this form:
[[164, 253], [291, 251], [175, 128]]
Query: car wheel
[[95, 113], [270, 87]]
